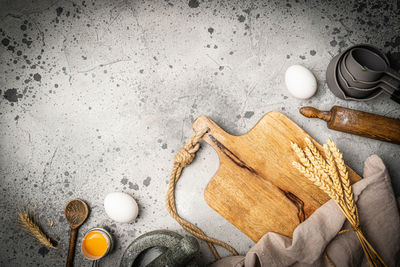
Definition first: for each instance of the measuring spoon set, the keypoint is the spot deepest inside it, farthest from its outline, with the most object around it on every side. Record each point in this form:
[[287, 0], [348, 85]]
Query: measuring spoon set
[[361, 73]]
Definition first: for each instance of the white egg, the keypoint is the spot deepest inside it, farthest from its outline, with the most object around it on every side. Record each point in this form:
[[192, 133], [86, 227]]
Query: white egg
[[300, 82], [121, 207]]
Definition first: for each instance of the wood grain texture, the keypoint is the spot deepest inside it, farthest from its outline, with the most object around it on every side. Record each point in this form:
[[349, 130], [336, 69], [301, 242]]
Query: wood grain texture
[[256, 188], [358, 122], [71, 247], [365, 124]]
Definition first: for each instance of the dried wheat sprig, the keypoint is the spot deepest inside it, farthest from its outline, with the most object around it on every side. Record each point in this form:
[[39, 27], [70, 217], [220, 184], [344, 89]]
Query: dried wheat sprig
[[317, 167], [337, 181], [320, 183], [339, 188], [316, 153], [319, 177], [344, 176], [339, 163], [310, 174], [28, 223], [331, 167], [325, 169], [300, 154], [307, 161], [322, 165]]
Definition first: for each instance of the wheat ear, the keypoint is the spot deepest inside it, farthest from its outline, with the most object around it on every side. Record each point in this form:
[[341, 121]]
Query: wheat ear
[[308, 167], [344, 177], [316, 153], [316, 180], [320, 162], [300, 154], [29, 224], [317, 167], [333, 171]]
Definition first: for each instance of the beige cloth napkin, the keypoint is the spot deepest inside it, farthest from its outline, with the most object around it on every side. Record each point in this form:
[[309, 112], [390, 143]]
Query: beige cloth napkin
[[379, 218]]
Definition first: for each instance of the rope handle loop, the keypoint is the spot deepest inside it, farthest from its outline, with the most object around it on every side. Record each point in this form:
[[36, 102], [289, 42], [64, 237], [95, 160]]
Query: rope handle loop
[[183, 158]]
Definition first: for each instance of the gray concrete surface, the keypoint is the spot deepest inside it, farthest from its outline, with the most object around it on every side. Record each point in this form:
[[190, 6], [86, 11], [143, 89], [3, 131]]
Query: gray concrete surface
[[97, 96]]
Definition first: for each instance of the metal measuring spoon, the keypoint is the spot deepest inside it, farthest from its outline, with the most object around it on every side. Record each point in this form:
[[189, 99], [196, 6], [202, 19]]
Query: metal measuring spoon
[[76, 212]]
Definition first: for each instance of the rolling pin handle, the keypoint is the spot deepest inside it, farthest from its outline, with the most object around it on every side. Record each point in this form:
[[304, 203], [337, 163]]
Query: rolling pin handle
[[311, 112]]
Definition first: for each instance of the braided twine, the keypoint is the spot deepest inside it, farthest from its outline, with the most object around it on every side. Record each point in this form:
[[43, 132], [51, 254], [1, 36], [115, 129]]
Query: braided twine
[[184, 157]]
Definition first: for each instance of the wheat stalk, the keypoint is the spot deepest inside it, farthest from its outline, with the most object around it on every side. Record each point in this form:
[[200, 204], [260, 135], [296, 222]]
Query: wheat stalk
[[317, 167], [316, 153], [28, 223], [344, 176], [308, 162], [316, 180], [332, 177], [300, 154]]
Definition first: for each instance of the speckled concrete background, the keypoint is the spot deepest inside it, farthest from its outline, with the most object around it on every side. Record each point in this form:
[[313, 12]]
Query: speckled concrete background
[[97, 96]]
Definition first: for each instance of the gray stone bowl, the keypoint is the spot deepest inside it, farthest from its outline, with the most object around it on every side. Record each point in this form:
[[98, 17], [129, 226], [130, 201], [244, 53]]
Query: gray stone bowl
[[176, 250]]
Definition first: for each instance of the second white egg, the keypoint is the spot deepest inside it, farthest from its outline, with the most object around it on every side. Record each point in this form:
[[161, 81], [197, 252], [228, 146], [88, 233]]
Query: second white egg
[[121, 207]]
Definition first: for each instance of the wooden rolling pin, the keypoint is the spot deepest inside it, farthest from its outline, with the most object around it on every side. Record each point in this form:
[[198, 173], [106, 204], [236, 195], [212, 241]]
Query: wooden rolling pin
[[357, 122]]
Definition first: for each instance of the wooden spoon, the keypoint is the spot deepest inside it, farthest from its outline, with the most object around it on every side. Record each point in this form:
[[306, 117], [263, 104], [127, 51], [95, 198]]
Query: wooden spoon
[[76, 211]]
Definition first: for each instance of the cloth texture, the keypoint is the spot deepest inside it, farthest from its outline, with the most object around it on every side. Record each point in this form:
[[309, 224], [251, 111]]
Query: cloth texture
[[379, 219]]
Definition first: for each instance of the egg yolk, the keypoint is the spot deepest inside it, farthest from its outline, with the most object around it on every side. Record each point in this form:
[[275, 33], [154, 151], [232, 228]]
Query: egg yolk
[[94, 245]]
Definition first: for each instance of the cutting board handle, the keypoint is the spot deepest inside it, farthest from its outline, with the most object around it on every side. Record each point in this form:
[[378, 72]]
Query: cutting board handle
[[222, 142], [203, 122], [214, 131]]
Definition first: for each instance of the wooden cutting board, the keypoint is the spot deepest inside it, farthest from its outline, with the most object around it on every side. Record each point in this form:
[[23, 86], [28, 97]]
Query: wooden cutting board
[[256, 188]]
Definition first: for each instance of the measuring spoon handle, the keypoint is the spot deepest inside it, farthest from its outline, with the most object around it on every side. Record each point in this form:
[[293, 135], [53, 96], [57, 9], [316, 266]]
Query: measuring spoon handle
[[392, 82], [394, 94], [71, 249], [392, 73]]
